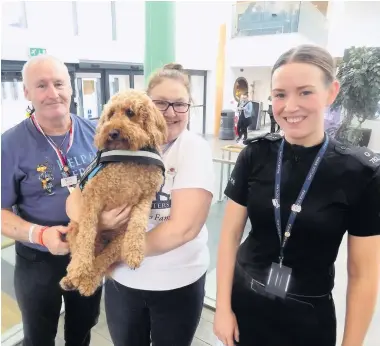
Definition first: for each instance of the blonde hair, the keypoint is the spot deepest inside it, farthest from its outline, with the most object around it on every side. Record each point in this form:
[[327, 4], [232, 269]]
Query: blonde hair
[[170, 71], [309, 54]]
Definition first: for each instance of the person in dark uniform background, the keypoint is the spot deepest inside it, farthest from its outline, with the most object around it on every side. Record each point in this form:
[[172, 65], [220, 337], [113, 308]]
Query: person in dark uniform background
[[305, 190], [273, 123]]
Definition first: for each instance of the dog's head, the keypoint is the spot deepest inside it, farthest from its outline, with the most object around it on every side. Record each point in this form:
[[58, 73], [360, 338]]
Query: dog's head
[[130, 121]]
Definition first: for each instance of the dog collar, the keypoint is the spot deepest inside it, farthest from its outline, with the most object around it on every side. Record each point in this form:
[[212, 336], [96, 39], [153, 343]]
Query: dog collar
[[144, 156]]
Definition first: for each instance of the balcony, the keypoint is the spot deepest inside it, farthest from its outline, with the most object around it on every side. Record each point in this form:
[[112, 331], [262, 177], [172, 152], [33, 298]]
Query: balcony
[[277, 18]]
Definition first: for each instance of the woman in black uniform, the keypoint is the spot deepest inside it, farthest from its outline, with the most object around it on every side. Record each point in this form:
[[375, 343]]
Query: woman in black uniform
[[301, 194]]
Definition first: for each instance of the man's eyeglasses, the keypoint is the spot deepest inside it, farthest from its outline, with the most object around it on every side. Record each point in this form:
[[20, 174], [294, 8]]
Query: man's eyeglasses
[[178, 107]]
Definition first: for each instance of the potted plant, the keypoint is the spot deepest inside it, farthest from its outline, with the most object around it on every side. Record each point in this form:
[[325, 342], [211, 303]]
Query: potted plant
[[359, 96]]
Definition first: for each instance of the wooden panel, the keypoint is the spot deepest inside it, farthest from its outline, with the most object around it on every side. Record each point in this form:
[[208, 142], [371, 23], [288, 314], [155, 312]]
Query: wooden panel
[[10, 313], [220, 66]]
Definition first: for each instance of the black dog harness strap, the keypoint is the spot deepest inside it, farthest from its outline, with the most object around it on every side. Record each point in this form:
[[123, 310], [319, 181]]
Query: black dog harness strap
[[145, 156]]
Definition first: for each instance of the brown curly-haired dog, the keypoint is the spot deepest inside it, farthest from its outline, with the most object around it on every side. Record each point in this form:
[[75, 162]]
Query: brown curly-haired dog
[[130, 121]]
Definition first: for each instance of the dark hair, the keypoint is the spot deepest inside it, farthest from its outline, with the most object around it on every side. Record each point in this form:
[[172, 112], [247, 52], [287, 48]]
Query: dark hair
[[170, 71], [309, 54]]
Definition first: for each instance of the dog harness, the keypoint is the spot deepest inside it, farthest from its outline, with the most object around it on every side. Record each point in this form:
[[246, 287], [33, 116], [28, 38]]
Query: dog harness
[[144, 156]]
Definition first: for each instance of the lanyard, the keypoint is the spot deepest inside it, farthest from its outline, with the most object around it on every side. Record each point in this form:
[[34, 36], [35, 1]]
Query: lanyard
[[296, 207], [61, 156], [168, 146]]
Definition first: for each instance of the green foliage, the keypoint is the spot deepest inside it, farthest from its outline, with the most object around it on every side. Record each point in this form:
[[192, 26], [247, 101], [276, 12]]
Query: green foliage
[[359, 77]]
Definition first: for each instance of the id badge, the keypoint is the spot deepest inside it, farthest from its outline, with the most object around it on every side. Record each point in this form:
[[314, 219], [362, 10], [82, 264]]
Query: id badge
[[69, 181], [278, 280]]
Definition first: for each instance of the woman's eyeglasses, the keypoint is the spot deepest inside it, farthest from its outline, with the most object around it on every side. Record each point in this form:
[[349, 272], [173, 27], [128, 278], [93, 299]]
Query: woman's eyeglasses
[[178, 107]]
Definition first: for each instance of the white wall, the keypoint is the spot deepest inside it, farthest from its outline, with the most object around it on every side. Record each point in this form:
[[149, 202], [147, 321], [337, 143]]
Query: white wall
[[94, 24], [353, 23], [197, 26], [197, 29], [261, 50]]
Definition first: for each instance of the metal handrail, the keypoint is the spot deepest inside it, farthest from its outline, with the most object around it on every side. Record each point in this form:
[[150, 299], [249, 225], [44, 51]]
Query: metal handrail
[[223, 162]]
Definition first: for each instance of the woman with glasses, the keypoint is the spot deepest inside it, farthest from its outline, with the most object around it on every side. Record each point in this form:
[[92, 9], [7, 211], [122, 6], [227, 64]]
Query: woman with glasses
[[162, 300]]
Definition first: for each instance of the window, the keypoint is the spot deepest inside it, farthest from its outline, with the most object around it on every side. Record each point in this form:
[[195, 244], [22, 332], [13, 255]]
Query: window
[[240, 88]]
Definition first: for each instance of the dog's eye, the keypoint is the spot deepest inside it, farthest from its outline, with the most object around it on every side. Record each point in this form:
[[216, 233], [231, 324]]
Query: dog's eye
[[129, 113]]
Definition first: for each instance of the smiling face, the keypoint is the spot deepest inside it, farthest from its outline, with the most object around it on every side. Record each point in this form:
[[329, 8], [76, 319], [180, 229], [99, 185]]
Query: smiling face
[[300, 95], [47, 85], [176, 115]]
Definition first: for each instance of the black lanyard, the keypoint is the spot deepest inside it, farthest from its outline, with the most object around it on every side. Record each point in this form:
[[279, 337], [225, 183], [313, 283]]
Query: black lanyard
[[296, 207]]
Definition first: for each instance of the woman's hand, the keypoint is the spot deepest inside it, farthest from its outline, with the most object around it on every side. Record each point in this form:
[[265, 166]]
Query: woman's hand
[[109, 220], [226, 327], [114, 219]]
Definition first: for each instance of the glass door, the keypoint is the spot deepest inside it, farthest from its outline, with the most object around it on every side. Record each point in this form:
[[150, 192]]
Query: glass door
[[139, 82], [118, 83], [88, 91], [13, 102]]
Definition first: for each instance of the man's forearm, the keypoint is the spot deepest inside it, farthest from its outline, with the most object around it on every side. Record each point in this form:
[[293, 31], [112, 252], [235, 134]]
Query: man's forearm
[[14, 227], [361, 301]]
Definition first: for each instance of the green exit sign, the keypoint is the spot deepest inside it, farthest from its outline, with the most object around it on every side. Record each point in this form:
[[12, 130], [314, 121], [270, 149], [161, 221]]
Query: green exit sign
[[36, 51]]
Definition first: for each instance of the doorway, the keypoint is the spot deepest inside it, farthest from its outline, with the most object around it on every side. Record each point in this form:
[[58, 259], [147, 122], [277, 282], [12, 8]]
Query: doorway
[[89, 94]]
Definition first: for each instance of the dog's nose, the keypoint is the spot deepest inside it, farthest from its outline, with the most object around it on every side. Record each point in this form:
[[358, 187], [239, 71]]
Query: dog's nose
[[114, 134]]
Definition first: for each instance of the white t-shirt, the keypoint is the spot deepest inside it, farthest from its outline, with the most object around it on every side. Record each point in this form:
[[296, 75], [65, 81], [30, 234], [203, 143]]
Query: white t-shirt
[[188, 163]]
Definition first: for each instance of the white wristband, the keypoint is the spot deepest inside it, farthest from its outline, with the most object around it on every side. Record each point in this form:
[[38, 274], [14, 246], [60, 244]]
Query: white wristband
[[31, 229]]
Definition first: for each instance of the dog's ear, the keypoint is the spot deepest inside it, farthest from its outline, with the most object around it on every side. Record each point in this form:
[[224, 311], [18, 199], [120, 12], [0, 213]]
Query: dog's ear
[[156, 126]]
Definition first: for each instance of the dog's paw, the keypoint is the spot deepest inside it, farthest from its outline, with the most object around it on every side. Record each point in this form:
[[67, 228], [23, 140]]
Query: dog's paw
[[87, 289], [66, 284], [134, 258]]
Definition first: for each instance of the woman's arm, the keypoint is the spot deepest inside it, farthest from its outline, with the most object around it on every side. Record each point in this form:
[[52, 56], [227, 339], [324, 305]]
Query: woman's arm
[[188, 214], [235, 218], [362, 289], [109, 220]]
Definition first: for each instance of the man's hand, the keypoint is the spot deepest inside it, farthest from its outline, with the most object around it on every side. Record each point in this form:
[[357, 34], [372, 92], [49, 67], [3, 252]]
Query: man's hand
[[52, 238], [114, 219]]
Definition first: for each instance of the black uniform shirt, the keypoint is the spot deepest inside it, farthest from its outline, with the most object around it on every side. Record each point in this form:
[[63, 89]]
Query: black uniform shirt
[[344, 196]]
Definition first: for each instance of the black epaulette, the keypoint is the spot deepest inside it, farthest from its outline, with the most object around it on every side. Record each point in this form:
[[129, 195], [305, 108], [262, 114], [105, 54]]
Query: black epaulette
[[364, 155], [272, 137]]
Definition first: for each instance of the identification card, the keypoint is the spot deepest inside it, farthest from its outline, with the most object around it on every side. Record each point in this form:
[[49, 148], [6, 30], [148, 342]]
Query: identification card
[[278, 280], [69, 181]]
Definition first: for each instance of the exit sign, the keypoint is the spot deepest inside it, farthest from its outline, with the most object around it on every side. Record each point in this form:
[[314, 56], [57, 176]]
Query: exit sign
[[36, 51]]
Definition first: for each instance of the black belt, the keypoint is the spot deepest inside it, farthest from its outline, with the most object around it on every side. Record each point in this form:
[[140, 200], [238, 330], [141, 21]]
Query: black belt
[[258, 286]]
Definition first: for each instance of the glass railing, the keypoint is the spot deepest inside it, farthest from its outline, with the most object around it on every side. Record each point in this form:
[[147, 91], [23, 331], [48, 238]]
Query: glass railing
[[274, 17]]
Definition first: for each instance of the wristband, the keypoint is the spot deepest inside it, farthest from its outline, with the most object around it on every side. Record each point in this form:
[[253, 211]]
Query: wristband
[[31, 229], [40, 235]]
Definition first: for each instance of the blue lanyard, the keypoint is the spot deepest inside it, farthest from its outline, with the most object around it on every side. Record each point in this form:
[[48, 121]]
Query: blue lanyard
[[296, 207]]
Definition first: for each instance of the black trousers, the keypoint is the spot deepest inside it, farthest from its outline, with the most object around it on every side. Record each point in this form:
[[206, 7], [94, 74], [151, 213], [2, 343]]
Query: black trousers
[[167, 318], [39, 296], [242, 126], [294, 321]]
